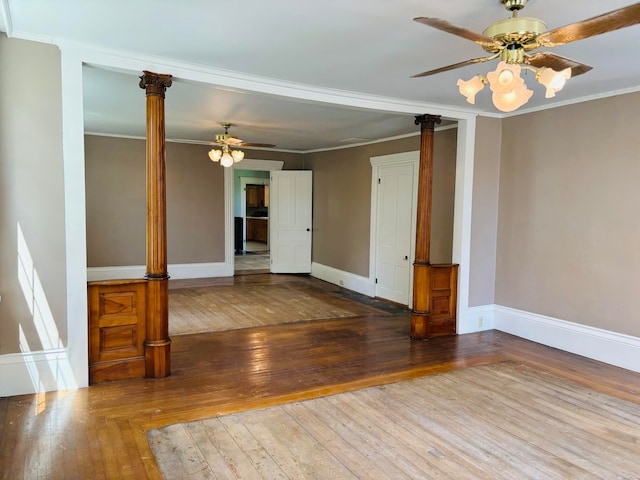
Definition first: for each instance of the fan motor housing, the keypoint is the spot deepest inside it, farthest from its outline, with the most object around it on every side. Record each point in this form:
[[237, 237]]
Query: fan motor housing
[[521, 31], [224, 137]]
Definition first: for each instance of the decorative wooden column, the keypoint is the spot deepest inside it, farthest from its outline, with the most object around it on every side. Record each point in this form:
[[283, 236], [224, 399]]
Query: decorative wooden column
[[157, 343], [433, 285]]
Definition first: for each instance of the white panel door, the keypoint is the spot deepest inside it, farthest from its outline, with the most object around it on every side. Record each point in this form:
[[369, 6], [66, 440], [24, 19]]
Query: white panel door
[[290, 221], [394, 221]]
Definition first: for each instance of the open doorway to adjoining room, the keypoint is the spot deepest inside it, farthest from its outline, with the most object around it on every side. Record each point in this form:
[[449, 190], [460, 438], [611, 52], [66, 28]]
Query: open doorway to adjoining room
[[251, 222]]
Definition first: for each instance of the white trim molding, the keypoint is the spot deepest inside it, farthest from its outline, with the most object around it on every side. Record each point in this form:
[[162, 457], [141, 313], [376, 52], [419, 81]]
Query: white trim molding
[[262, 165], [595, 343], [34, 372], [475, 319], [349, 280], [176, 271]]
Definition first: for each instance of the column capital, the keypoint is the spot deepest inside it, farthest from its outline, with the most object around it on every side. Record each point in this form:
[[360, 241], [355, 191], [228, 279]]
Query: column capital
[[155, 83], [427, 122]]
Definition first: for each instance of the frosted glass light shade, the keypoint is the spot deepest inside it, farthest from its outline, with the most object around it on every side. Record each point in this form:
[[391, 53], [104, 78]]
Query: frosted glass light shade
[[215, 155], [226, 160], [508, 102], [470, 88], [237, 155], [552, 80], [505, 78]]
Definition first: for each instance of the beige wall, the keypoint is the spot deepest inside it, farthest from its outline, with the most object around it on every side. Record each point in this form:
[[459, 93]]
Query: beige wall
[[116, 201], [444, 189], [484, 221], [342, 201], [569, 228], [115, 185], [31, 198]]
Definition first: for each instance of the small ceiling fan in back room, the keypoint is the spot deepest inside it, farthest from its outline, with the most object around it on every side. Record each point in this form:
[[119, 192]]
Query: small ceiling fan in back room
[[512, 41], [225, 141]]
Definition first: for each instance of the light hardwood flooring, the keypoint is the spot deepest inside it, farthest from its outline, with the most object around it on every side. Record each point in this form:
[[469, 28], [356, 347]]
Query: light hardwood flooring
[[500, 421], [229, 307], [100, 432], [250, 263]]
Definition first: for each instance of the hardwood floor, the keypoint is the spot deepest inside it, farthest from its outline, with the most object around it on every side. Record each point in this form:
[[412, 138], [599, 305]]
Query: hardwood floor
[[100, 432]]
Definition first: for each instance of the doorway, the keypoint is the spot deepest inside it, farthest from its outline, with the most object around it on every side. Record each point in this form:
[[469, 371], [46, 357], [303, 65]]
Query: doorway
[[251, 222]]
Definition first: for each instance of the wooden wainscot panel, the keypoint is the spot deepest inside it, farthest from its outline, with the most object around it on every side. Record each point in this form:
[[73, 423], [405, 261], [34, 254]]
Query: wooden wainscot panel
[[117, 313], [443, 285]]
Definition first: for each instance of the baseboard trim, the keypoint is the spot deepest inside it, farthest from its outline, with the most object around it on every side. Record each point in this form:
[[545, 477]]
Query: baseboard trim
[[475, 319], [603, 345], [34, 372], [349, 280], [176, 271]]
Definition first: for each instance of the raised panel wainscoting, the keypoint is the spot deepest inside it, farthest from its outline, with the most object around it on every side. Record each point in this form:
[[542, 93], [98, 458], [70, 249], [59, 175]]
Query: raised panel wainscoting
[[116, 329]]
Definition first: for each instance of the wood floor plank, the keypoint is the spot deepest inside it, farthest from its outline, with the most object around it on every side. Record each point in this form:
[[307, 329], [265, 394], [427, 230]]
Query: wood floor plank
[[231, 371], [209, 443], [419, 449], [513, 438], [245, 454], [601, 445], [344, 426], [295, 443]]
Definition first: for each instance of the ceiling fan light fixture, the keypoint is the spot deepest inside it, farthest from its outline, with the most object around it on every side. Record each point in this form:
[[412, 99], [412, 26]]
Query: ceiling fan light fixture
[[471, 87], [215, 154], [510, 101], [226, 160], [505, 78], [552, 80], [237, 155]]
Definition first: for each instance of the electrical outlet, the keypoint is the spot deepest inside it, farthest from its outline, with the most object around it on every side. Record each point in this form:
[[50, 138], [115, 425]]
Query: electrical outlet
[[480, 322]]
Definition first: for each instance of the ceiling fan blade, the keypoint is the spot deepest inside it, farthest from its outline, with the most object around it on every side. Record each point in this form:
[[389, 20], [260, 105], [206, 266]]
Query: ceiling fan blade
[[263, 145], [445, 26], [556, 62], [608, 22], [454, 66]]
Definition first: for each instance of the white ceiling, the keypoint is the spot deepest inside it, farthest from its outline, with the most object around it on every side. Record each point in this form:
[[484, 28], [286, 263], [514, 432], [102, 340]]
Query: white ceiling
[[355, 47]]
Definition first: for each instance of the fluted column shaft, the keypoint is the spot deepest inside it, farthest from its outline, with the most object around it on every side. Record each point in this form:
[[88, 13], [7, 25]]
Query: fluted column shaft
[[157, 343], [421, 311]]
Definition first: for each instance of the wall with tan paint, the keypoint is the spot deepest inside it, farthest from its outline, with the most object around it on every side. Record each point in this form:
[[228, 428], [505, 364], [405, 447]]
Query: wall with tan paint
[[342, 201], [484, 221], [568, 225], [116, 202]]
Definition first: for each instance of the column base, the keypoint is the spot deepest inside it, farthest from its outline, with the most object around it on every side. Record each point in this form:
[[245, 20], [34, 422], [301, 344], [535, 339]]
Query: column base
[[157, 358], [423, 326]]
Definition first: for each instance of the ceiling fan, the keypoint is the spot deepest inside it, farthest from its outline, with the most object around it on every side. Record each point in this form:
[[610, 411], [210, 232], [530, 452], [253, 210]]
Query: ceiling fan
[[513, 39], [225, 155]]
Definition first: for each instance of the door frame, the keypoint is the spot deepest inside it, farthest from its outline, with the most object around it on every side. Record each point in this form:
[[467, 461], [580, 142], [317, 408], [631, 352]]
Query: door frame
[[244, 181], [404, 158], [246, 164]]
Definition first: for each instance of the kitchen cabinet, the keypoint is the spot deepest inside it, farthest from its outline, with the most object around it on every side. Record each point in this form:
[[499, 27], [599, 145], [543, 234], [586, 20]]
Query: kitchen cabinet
[[256, 196], [257, 229]]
